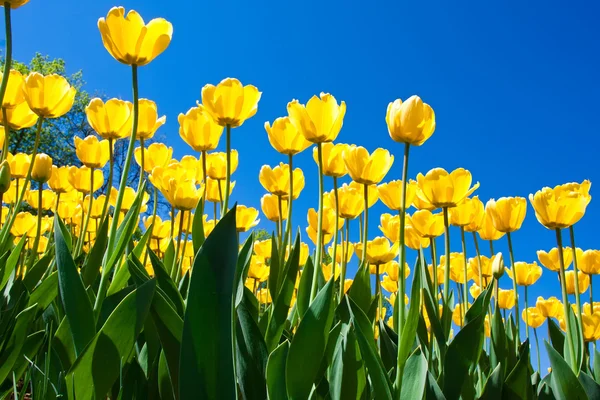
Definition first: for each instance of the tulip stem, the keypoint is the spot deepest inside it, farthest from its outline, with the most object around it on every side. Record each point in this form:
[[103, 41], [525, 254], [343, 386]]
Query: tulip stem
[[154, 209], [365, 226], [402, 251], [478, 259], [84, 227], [7, 61], [491, 248], [228, 169], [124, 176], [6, 135], [514, 275], [204, 179], [433, 268], [345, 243], [38, 231], [377, 292], [141, 164], [447, 267], [537, 348], [565, 299], [591, 294], [220, 200], [466, 268], [288, 228], [576, 280], [280, 223], [335, 235], [313, 291], [176, 270], [526, 313], [109, 182]]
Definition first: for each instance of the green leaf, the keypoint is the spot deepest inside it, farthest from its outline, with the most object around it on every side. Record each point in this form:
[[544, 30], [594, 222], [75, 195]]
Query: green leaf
[[276, 384], [380, 381], [304, 288], [436, 324], [206, 361], [75, 300], [577, 340], [564, 383], [93, 261], [166, 283], [165, 387], [283, 299], [62, 344], [45, 293], [557, 338], [12, 349], [415, 376], [360, 291], [409, 331], [99, 365], [66, 233], [597, 365], [462, 355], [432, 389], [493, 385], [347, 377], [591, 387], [198, 227], [309, 343], [518, 382], [33, 276], [11, 262], [251, 356], [274, 269], [241, 272], [388, 346], [498, 349]]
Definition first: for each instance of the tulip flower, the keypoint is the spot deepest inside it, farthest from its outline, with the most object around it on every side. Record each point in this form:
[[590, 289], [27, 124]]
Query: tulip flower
[[320, 120], [427, 224], [92, 152], [131, 41], [23, 223], [379, 250], [262, 248], [351, 203], [526, 273], [550, 259], [506, 299], [59, 180], [48, 96], [270, 207], [19, 165], [19, 117], [507, 213], [583, 280], [550, 308], [346, 248], [390, 193], [411, 122], [487, 230], [277, 180], [48, 199], [246, 218], [149, 122], [156, 155], [591, 327], [111, 120], [327, 271], [333, 161], [560, 207], [42, 168], [84, 181], [366, 168], [443, 189], [198, 129], [13, 96], [481, 266], [217, 164], [285, 137], [16, 3]]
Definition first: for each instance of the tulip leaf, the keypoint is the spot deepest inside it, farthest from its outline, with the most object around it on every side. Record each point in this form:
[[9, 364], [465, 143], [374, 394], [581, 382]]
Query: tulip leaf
[[498, 349], [198, 226], [347, 377], [493, 385], [480, 305], [252, 355], [360, 291], [564, 383], [45, 293], [12, 349], [119, 281], [435, 324], [415, 376], [304, 288], [33, 276], [557, 338], [99, 365], [66, 233], [11, 262], [206, 359], [241, 272], [276, 384], [283, 299], [518, 382], [309, 344], [381, 384], [274, 269], [597, 365], [75, 300], [92, 264], [62, 344], [166, 283], [591, 387], [576, 338], [461, 356], [407, 339], [138, 250], [388, 346], [432, 389]]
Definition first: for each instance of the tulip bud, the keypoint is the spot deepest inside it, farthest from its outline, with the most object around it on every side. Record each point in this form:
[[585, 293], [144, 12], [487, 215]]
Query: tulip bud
[[498, 266], [4, 177], [42, 168]]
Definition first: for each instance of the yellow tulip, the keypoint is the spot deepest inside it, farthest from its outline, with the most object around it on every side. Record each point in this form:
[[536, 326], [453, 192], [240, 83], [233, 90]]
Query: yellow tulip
[[92, 153], [230, 103], [587, 308], [439, 270], [485, 267], [526, 273], [20, 117], [149, 122], [474, 289], [129, 196], [457, 268], [372, 193], [346, 247], [457, 313], [366, 168], [262, 248], [258, 269], [97, 206], [277, 180], [332, 157], [411, 121], [48, 199], [589, 262], [131, 41], [5, 177], [533, 317], [185, 223], [443, 189], [48, 96], [269, 204], [198, 129], [412, 238], [183, 195], [421, 204], [19, 164], [506, 299], [427, 224], [487, 230], [550, 259], [59, 180], [390, 226], [285, 137], [264, 296], [246, 218], [390, 194], [11, 196], [388, 284], [156, 155], [591, 327], [24, 222], [466, 212], [193, 167], [351, 201], [584, 281], [320, 120], [562, 206], [478, 212], [208, 225], [379, 250], [69, 210], [110, 120], [42, 168], [550, 308], [507, 213], [80, 179], [13, 96], [303, 256], [327, 271], [216, 164], [16, 3], [392, 269], [215, 190], [160, 228]]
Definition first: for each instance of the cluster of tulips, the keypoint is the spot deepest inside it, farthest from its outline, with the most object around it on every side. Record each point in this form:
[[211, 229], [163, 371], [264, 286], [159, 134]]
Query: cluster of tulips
[[176, 300]]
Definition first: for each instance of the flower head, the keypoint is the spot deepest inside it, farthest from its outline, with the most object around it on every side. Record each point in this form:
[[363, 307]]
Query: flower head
[[443, 189], [411, 121], [320, 120], [230, 103], [366, 168]]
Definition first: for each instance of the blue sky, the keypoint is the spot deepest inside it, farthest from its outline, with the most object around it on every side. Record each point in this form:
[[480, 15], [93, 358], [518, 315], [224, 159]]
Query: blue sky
[[513, 85]]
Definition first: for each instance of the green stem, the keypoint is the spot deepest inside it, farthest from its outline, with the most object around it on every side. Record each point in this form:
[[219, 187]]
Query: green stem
[[466, 269], [176, 269], [8, 56], [433, 267], [313, 291], [537, 349], [591, 294], [154, 209], [399, 314], [204, 180], [109, 182], [492, 248], [288, 228], [141, 164], [447, 267], [335, 235], [220, 199], [345, 242], [478, 259], [576, 280], [365, 234], [38, 232], [84, 227], [378, 292], [512, 268], [6, 135], [123, 184], [280, 224], [228, 170], [563, 285]]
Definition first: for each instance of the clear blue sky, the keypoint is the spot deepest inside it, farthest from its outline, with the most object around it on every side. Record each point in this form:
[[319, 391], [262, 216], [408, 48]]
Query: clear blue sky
[[514, 86]]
